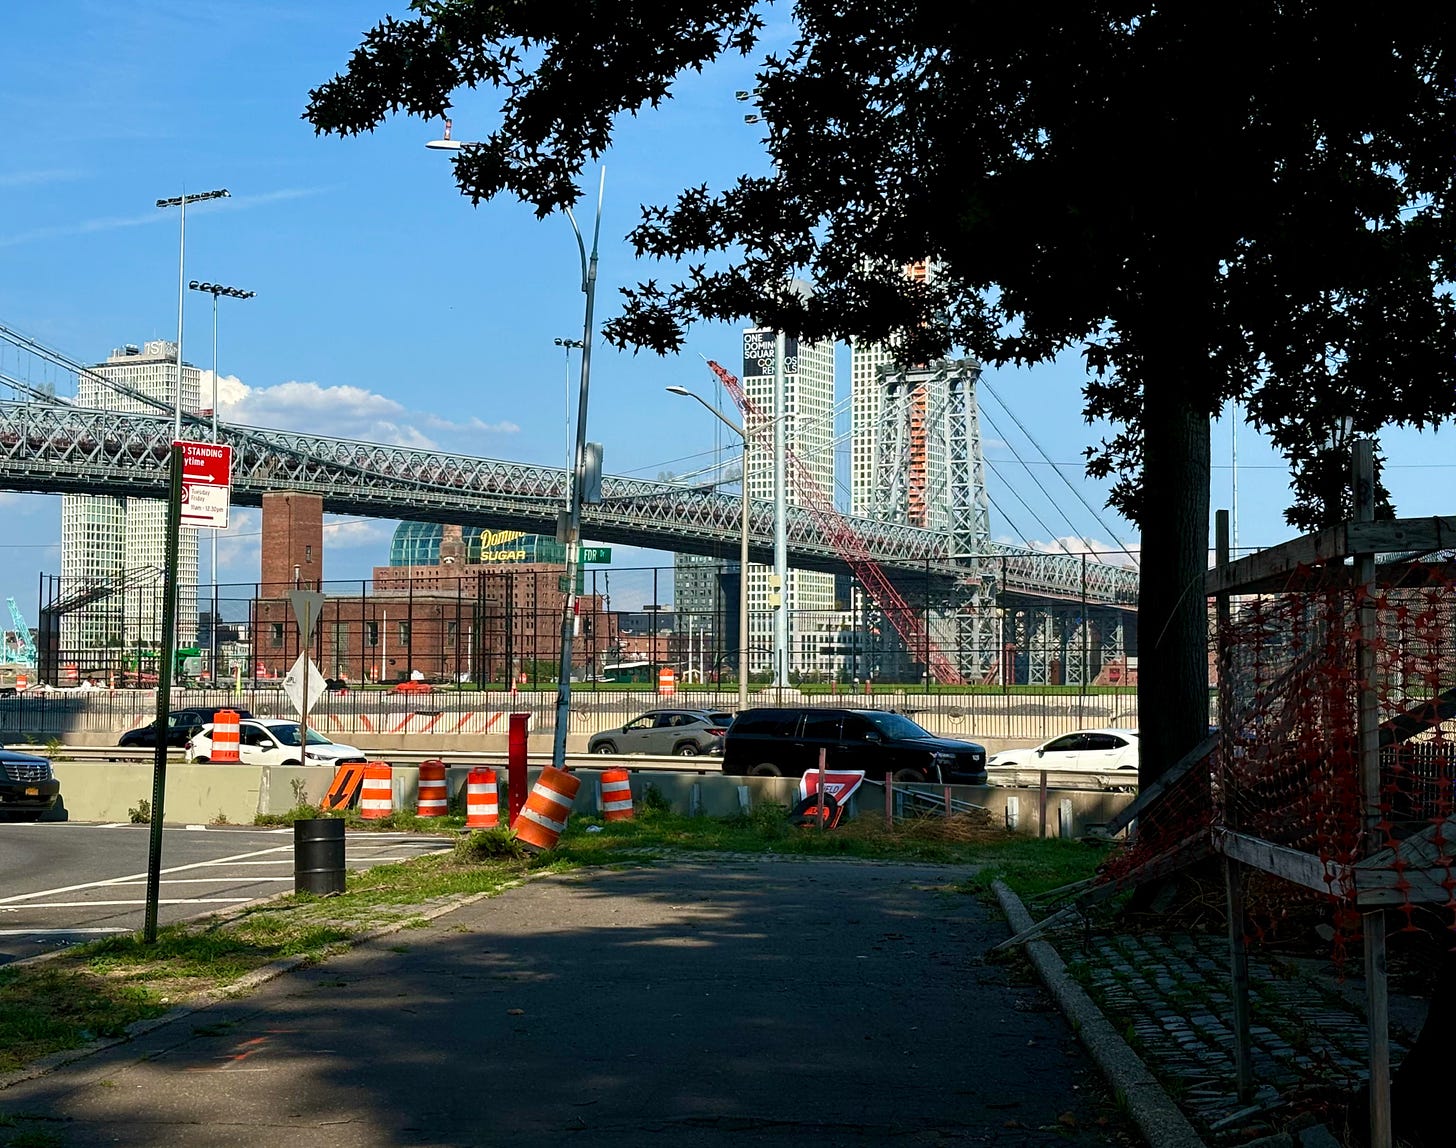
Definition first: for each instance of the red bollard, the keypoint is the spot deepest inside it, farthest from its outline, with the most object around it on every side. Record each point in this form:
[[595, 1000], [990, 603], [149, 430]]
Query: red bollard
[[516, 766]]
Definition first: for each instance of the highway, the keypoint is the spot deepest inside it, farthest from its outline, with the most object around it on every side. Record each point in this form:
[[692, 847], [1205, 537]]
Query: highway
[[67, 883]]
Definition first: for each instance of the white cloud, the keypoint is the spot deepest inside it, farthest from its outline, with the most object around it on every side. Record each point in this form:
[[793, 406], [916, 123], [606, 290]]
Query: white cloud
[[350, 533], [1094, 548], [338, 411]]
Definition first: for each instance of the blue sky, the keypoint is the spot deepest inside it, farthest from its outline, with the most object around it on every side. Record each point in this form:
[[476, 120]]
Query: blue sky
[[387, 307]]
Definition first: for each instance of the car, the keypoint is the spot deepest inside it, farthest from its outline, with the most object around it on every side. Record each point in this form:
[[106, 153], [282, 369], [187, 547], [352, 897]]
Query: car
[[1110, 753], [785, 742], [683, 732], [27, 784], [275, 741], [181, 724]]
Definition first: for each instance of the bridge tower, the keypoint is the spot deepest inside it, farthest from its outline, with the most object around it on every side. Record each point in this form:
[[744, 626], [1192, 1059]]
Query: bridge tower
[[925, 469]]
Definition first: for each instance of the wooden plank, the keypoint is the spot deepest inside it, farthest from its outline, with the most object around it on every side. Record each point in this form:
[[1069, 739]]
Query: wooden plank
[[1418, 719], [1291, 864], [1334, 544], [1170, 777], [1388, 576]]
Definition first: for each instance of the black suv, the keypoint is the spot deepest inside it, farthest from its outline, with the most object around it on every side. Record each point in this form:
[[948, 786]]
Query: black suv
[[786, 743], [181, 724], [26, 783]]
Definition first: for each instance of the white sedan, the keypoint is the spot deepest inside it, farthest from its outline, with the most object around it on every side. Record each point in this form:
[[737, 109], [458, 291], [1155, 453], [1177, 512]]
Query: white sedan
[[1111, 755], [274, 741]]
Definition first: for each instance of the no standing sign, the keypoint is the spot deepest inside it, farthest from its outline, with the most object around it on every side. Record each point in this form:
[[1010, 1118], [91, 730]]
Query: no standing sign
[[206, 478]]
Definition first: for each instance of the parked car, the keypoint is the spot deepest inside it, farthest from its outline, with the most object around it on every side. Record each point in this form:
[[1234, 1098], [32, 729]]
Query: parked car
[[785, 742], [275, 741], [181, 724], [684, 732], [27, 784], [1110, 755]]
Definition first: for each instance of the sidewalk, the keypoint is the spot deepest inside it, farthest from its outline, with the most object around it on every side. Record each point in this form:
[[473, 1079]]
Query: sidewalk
[[691, 1003], [1167, 997]]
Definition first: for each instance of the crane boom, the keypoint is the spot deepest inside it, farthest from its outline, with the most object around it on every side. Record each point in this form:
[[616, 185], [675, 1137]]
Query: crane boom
[[24, 642], [847, 540]]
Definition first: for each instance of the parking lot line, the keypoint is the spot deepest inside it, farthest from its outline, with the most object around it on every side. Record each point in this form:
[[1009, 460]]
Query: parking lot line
[[161, 901], [133, 876], [63, 932]]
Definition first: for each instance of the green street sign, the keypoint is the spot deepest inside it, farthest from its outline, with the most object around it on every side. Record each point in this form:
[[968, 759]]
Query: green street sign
[[599, 554]]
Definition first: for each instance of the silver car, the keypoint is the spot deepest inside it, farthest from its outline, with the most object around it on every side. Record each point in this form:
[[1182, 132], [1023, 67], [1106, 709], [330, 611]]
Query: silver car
[[683, 732]]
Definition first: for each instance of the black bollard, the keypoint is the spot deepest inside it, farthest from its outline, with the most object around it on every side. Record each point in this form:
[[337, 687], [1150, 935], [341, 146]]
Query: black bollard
[[318, 856]]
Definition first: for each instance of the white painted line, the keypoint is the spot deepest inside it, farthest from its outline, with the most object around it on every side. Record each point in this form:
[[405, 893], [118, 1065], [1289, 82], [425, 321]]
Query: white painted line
[[133, 876], [163, 901], [62, 932], [207, 881], [203, 828]]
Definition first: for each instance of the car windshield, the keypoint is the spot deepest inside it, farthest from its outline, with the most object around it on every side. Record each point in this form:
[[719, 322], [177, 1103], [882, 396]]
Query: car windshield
[[896, 725], [287, 734]]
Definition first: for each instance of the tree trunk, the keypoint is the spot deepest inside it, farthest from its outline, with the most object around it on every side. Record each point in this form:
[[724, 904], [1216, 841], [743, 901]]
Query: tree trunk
[[1172, 609]]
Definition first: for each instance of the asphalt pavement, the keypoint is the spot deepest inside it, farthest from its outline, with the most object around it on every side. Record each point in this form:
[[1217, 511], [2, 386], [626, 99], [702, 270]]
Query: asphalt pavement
[[65, 883], [732, 1001]]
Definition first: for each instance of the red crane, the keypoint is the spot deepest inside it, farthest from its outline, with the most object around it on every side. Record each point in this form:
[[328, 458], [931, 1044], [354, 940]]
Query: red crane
[[848, 542]]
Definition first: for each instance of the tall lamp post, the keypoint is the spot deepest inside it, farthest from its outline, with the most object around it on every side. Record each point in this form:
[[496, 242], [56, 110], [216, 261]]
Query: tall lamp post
[[569, 527], [742, 433], [181, 202], [216, 289], [568, 345]]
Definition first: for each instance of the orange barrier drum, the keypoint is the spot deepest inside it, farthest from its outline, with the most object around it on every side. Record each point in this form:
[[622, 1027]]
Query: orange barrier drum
[[617, 795], [376, 798], [543, 820], [434, 795], [482, 800], [226, 732]]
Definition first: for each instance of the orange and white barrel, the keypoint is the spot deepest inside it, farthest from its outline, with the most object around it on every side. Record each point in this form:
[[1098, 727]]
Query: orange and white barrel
[[616, 795], [543, 820], [376, 796], [22, 682], [482, 800], [434, 797], [226, 732]]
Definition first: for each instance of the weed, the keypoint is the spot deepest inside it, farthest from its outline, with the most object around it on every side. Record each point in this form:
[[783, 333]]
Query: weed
[[220, 819], [489, 845], [141, 812], [652, 801], [54, 745]]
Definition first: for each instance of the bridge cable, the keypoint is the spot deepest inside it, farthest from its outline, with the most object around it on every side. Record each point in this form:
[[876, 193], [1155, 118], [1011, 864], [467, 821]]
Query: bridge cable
[[1077, 493]]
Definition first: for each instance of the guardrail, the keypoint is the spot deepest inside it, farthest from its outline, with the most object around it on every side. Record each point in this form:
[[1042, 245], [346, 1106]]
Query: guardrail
[[1007, 776]]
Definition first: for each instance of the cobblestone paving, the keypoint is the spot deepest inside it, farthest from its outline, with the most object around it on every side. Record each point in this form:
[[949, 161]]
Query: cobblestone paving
[[1170, 997]]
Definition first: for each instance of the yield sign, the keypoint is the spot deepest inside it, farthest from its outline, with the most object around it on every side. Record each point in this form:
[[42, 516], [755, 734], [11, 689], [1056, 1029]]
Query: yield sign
[[206, 484], [307, 606], [840, 784]]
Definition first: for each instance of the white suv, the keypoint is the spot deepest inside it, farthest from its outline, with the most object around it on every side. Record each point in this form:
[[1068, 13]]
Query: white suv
[[275, 741]]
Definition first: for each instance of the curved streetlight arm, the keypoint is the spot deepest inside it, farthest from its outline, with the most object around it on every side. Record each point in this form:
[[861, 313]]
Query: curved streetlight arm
[[742, 544]]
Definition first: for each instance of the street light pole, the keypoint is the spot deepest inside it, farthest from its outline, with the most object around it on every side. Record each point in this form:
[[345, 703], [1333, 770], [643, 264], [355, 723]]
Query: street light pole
[[181, 202], [742, 433], [577, 478], [216, 289]]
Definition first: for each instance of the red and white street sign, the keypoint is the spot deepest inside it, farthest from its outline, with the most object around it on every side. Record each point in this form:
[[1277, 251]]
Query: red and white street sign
[[206, 484], [840, 784]]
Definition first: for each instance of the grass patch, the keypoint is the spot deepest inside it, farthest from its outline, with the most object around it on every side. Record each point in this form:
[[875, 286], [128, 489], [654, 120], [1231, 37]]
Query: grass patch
[[400, 821], [99, 989]]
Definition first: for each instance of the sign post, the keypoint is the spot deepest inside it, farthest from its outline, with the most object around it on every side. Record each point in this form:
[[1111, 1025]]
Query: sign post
[[307, 605], [164, 693]]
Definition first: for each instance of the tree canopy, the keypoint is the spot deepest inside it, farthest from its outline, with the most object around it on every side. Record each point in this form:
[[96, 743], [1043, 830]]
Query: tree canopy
[[1249, 200]]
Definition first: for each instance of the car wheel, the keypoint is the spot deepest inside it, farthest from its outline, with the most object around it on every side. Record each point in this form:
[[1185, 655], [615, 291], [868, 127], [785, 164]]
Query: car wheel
[[291, 761], [766, 769], [604, 747], [909, 776], [687, 749], [202, 761]]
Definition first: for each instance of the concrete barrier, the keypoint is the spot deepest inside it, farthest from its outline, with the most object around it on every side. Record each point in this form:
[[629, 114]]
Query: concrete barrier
[[236, 794]]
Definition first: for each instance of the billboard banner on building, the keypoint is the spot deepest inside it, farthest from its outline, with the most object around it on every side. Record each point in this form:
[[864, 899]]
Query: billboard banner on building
[[758, 353]]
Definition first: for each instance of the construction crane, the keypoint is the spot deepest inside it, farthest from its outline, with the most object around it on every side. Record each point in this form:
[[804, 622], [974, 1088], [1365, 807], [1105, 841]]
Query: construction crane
[[847, 540], [25, 652]]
